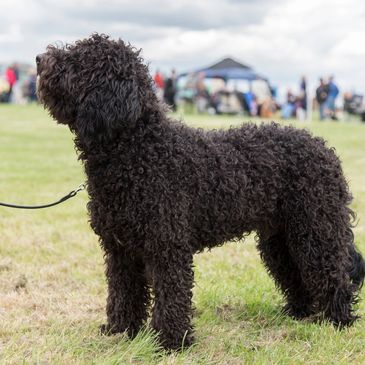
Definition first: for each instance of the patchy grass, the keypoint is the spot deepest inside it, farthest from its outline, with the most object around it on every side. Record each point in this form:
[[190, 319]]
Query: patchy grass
[[52, 287]]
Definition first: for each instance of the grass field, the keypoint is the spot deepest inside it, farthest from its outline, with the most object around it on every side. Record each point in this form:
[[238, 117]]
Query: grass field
[[52, 287]]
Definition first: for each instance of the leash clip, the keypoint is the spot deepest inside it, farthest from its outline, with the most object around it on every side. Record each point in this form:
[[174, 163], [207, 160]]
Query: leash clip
[[80, 187], [75, 191]]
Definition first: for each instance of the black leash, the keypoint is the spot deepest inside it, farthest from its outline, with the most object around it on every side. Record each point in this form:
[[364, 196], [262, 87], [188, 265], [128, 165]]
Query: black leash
[[71, 194]]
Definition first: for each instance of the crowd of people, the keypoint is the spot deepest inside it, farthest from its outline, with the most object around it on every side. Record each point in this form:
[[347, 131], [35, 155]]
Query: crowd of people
[[18, 85], [326, 94], [166, 88], [296, 106], [214, 96]]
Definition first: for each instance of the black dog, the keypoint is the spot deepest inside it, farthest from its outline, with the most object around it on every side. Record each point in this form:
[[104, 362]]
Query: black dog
[[161, 191]]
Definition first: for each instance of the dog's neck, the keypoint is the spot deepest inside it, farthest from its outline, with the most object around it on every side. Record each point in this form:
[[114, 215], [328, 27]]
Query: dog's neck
[[124, 139]]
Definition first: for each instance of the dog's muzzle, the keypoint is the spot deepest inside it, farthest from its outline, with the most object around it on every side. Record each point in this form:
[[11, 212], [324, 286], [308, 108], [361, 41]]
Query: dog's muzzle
[[38, 61]]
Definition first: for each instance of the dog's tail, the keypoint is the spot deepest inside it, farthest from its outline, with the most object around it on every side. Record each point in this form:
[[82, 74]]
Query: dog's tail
[[357, 270]]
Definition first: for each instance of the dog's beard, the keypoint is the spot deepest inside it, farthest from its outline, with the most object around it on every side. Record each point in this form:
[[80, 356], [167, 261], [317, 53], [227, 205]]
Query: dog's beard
[[37, 83], [39, 92]]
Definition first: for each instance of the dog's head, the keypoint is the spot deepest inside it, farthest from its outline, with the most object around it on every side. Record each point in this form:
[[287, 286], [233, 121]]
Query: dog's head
[[96, 85]]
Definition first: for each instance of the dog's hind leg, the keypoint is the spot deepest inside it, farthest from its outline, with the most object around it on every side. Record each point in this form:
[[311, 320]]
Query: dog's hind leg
[[277, 259], [128, 293], [321, 250]]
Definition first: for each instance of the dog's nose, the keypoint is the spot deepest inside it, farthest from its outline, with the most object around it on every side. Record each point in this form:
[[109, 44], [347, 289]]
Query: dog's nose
[[38, 59]]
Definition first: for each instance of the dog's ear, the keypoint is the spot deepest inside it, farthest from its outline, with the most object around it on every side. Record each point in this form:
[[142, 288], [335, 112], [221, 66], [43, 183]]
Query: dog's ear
[[114, 105]]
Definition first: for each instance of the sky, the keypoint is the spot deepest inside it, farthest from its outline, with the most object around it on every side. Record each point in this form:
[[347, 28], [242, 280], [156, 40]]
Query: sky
[[281, 39]]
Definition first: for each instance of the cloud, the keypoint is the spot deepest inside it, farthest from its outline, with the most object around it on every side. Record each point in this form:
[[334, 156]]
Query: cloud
[[295, 38], [282, 39], [187, 14]]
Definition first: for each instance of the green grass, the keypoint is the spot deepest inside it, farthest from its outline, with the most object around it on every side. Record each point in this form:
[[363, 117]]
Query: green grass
[[52, 287]]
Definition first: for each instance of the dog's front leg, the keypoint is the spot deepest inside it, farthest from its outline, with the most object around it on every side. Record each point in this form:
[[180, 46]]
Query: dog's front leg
[[173, 277], [128, 294]]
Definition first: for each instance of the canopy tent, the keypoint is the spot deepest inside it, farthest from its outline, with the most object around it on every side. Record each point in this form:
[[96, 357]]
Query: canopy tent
[[228, 68], [230, 75]]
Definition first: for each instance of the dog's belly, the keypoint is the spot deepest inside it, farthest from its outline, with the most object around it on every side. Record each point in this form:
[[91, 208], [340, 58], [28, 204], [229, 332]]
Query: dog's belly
[[231, 217]]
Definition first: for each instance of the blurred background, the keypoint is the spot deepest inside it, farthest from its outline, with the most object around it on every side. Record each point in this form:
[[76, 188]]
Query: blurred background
[[256, 58]]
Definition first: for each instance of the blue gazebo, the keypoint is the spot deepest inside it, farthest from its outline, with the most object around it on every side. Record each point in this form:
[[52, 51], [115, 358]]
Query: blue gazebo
[[235, 76], [229, 68]]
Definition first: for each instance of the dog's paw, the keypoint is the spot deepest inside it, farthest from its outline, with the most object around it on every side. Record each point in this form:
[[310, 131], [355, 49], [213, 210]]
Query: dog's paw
[[296, 311], [104, 329], [342, 322], [107, 330], [177, 345]]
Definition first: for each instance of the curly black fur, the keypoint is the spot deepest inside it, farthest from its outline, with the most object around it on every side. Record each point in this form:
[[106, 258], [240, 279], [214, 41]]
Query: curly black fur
[[161, 191]]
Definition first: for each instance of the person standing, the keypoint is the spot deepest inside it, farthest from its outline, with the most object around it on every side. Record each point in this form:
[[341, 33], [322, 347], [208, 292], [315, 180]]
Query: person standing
[[302, 99], [30, 86], [201, 94], [170, 90], [288, 109], [333, 92], [11, 79], [321, 97], [15, 67], [159, 84]]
